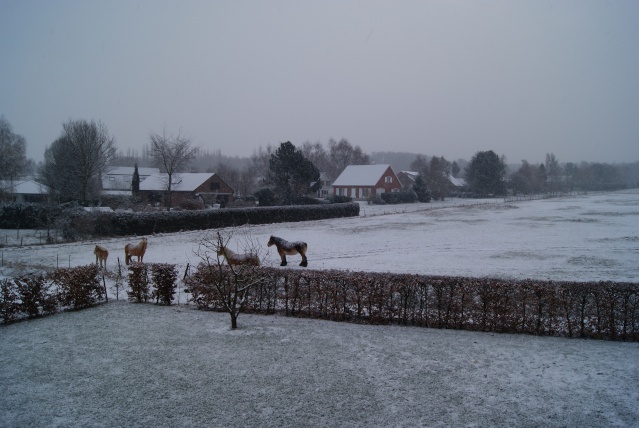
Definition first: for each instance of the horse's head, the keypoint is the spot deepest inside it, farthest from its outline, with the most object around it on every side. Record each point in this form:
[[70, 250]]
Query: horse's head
[[220, 250], [271, 241]]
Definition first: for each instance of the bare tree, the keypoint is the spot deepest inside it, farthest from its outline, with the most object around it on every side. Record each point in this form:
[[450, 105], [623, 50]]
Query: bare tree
[[74, 163], [172, 155], [553, 170], [231, 282], [342, 154]]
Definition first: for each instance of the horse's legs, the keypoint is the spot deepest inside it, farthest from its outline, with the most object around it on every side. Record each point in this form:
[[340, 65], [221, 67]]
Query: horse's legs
[[283, 256], [304, 260]]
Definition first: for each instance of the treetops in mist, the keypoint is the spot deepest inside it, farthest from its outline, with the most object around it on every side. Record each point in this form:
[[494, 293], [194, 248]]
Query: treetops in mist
[[329, 159]]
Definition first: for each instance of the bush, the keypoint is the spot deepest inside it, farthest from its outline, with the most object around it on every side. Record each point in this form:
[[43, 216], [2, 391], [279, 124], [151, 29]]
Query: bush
[[164, 278], [20, 215], [9, 301], [266, 198], [338, 199], [78, 287], [138, 283], [36, 299], [398, 197]]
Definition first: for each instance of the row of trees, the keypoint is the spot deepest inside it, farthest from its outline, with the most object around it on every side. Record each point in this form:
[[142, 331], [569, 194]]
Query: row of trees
[[75, 162]]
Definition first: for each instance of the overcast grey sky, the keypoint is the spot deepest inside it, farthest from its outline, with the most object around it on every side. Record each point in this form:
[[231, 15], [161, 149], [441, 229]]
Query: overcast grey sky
[[446, 78]]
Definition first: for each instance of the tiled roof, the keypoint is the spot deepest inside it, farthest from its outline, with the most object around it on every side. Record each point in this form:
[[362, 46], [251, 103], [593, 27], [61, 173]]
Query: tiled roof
[[183, 182], [361, 175]]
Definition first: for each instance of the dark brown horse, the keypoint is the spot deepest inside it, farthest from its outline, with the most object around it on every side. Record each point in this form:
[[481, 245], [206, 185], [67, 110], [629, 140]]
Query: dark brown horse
[[291, 248]]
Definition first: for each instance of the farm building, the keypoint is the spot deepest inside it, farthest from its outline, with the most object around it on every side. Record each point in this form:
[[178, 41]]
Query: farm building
[[366, 181], [407, 178], [120, 177], [207, 187], [23, 190]]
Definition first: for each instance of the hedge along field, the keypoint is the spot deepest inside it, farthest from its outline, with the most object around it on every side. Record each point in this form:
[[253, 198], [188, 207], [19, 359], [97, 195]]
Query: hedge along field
[[78, 223], [598, 310]]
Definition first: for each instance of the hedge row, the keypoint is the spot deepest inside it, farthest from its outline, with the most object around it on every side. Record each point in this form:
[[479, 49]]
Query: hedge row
[[399, 197], [78, 223], [19, 215], [602, 310], [77, 288], [36, 296]]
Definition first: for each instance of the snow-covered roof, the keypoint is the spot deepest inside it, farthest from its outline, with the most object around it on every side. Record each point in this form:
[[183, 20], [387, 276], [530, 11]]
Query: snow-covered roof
[[361, 175], [458, 182], [183, 182], [128, 170], [23, 187]]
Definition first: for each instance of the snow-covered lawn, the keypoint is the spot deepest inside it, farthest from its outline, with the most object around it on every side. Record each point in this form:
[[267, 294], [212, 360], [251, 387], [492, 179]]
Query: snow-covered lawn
[[581, 238], [123, 364]]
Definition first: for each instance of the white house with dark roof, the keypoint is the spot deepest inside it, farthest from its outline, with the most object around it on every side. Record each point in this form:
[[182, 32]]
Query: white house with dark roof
[[366, 181]]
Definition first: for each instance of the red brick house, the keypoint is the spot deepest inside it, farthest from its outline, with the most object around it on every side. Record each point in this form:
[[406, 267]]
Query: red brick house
[[366, 181], [208, 187]]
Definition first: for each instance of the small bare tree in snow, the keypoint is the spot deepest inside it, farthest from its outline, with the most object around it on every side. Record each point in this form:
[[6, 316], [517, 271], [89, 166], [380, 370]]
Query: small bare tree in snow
[[172, 155], [231, 283]]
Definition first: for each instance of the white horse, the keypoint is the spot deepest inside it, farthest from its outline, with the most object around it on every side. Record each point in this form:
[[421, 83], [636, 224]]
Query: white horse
[[101, 255], [138, 250], [238, 259]]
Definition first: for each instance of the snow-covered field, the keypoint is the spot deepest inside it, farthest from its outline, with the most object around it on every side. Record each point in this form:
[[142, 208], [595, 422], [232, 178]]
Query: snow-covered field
[[123, 364], [581, 238]]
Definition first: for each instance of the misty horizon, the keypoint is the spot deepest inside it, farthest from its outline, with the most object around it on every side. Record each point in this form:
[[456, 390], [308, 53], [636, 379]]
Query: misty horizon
[[522, 79]]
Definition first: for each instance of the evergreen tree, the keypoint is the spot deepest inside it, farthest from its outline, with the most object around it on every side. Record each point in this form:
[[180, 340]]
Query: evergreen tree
[[420, 189], [135, 182], [485, 174], [291, 174]]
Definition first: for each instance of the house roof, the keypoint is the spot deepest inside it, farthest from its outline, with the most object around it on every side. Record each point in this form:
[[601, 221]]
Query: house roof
[[128, 170], [361, 175], [458, 182], [23, 187], [183, 182]]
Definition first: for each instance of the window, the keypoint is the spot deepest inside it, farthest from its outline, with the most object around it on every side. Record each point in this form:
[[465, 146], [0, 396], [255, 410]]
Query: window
[[388, 179], [215, 186]]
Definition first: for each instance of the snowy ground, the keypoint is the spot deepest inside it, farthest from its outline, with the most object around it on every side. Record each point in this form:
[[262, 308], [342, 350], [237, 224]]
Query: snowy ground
[[582, 238], [123, 364]]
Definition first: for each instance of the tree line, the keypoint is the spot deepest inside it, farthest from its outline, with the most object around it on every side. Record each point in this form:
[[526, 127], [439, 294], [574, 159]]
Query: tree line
[[76, 161]]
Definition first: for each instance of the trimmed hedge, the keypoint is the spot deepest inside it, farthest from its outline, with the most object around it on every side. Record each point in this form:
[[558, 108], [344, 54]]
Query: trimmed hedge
[[600, 310], [399, 197], [77, 223], [123, 224]]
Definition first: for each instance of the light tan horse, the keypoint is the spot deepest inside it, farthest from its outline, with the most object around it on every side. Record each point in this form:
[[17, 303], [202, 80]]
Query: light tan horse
[[138, 250], [235, 259], [291, 248], [101, 255]]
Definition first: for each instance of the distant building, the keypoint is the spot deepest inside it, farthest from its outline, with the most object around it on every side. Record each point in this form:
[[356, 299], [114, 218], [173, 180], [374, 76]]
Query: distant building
[[366, 181], [120, 177], [325, 188], [407, 178], [206, 186], [23, 190]]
